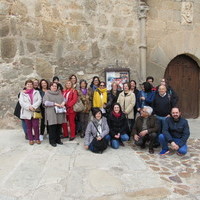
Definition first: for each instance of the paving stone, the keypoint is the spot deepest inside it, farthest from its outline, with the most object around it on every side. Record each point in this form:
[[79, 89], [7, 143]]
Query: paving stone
[[175, 179], [184, 174], [185, 187], [155, 168], [180, 191]]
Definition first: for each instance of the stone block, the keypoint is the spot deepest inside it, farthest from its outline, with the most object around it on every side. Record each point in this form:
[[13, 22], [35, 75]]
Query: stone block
[[4, 30], [76, 16], [30, 47], [75, 33], [44, 69], [152, 13], [91, 31], [156, 25], [8, 48], [103, 20], [75, 6], [46, 48], [119, 22], [9, 73], [84, 46], [26, 61], [95, 50], [21, 48], [90, 5], [165, 15], [4, 8], [18, 9], [49, 29], [13, 27]]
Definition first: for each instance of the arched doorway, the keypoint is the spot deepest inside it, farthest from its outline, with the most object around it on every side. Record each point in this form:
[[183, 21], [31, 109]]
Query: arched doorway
[[182, 74]]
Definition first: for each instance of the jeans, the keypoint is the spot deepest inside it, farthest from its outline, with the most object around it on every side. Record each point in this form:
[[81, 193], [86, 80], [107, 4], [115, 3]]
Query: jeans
[[164, 144], [115, 143], [107, 138], [24, 126]]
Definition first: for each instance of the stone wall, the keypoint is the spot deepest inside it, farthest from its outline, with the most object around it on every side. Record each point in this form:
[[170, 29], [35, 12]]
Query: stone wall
[[172, 30], [42, 38]]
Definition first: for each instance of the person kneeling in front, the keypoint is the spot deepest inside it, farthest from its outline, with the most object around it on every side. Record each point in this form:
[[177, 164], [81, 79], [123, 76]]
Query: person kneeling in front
[[96, 134], [176, 132], [145, 128]]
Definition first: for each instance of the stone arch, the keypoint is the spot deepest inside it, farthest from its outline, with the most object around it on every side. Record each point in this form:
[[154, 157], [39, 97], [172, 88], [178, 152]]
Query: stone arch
[[173, 45]]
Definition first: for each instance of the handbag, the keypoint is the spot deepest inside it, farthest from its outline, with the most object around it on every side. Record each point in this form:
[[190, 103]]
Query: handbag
[[60, 110], [78, 106], [98, 145], [37, 114]]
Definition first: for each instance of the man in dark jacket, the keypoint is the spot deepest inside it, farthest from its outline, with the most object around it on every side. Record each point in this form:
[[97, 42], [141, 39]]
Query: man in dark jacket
[[145, 128], [176, 132]]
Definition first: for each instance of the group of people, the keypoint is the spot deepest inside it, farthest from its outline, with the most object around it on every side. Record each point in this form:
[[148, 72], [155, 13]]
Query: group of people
[[114, 113]]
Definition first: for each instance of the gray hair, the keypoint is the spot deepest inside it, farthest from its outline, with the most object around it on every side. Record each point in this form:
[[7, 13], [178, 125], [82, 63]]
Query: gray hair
[[148, 109]]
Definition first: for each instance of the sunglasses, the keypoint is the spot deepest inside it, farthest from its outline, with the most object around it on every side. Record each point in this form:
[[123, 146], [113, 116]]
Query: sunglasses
[[102, 85]]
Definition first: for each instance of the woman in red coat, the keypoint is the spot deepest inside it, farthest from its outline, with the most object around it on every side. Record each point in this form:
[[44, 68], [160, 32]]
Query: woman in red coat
[[71, 96]]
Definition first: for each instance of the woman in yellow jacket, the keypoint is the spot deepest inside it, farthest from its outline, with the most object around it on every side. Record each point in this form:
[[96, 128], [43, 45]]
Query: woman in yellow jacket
[[126, 100], [100, 97]]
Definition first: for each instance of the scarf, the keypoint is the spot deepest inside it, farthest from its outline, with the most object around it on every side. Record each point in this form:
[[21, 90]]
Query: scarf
[[94, 87], [98, 124], [100, 97], [117, 115], [66, 94], [30, 93], [84, 91]]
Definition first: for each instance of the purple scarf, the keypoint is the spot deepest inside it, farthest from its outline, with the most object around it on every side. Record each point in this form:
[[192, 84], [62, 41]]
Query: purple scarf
[[84, 91], [30, 93]]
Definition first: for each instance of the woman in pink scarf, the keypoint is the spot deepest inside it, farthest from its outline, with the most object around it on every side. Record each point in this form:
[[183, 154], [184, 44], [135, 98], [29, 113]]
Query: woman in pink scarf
[[30, 100]]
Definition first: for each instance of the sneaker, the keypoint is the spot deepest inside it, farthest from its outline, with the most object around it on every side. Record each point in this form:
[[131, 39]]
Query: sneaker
[[164, 152], [41, 137]]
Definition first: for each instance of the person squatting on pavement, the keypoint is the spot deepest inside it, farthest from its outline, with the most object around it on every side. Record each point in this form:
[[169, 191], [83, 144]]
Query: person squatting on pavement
[[145, 128], [176, 132]]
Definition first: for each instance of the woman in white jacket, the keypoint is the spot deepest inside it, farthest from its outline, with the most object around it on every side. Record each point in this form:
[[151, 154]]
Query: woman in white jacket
[[30, 100]]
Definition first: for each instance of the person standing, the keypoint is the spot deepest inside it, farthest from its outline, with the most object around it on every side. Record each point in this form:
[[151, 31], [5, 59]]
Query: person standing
[[146, 96], [53, 120], [44, 86], [127, 101], [85, 96], [74, 81], [113, 95], [30, 100], [175, 132], [71, 96], [100, 97]]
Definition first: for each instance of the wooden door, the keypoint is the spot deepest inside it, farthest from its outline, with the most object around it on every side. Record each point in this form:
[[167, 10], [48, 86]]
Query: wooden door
[[182, 74]]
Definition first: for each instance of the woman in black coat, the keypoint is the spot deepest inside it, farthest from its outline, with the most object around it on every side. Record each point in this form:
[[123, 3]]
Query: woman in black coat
[[118, 126]]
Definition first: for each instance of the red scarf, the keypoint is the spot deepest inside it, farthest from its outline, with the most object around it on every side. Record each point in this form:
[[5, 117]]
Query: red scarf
[[117, 115]]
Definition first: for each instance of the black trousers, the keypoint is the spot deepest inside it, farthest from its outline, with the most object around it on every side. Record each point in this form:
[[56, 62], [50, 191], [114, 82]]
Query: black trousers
[[148, 137], [54, 133]]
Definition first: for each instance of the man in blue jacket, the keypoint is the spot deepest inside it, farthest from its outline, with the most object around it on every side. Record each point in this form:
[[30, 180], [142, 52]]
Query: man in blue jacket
[[176, 132]]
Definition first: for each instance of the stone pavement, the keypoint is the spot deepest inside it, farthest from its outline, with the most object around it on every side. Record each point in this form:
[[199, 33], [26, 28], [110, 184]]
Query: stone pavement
[[69, 172]]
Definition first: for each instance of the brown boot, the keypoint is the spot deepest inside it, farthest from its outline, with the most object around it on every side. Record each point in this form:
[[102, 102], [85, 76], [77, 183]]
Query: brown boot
[[31, 142], [38, 142]]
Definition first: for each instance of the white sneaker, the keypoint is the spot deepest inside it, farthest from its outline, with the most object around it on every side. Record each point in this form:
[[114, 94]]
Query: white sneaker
[[41, 137]]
